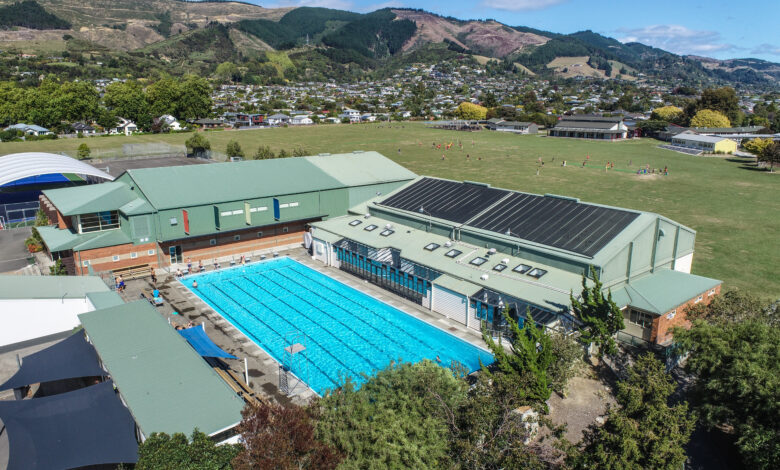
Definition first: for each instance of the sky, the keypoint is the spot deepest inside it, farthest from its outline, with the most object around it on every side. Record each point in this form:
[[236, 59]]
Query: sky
[[723, 29]]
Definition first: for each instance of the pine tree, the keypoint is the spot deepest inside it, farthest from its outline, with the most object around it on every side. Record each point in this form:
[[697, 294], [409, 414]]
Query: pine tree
[[601, 316]]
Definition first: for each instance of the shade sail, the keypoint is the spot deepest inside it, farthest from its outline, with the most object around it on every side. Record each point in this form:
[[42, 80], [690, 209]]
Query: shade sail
[[200, 341], [89, 426], [70, 358]]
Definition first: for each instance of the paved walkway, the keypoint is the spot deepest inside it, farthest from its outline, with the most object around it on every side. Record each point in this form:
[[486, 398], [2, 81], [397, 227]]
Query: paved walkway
[[263, 370]]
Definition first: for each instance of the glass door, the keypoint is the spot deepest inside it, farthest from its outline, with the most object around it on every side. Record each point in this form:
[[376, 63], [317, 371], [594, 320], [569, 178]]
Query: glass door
[[175, 252]]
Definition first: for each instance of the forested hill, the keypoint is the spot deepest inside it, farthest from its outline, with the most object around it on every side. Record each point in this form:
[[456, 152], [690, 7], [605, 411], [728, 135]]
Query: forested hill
[[29, 14], [198, 35]]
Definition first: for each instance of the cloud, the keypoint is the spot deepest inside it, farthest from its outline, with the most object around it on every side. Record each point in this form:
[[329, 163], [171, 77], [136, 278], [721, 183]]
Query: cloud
[[521, 5], [677, 39], [766, 49]]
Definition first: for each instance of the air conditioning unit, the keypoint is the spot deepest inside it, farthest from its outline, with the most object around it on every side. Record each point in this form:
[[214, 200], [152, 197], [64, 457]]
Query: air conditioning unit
[[448, 244], [505, 260], [389, 226], [367, 216], [484, 277], [492, 251]]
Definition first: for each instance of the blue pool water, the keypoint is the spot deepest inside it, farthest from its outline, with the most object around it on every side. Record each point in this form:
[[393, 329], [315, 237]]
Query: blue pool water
[[347, 333]]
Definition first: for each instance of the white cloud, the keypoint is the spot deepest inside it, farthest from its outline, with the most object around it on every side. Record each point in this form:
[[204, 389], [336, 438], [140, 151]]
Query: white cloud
[[521, 5], [766, 49], [677, 39]]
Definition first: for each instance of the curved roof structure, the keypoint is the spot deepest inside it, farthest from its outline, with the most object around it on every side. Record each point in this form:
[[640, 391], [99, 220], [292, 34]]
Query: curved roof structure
[[17, 166]]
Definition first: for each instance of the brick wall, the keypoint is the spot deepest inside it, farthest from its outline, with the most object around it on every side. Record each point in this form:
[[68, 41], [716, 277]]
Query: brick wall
[[101, 259], [663, 325]]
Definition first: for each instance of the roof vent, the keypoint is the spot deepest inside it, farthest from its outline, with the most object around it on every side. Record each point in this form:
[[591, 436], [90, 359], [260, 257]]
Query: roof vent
[[492, 251], [448, 243], [389, 226], [484, 277], [505, 260], [367, 216]]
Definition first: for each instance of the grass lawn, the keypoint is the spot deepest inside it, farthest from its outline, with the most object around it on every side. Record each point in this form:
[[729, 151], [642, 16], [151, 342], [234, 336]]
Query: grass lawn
[[734, 209]]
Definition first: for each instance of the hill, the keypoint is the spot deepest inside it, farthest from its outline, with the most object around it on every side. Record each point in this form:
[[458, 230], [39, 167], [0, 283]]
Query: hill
[[29, 14], [331, 43]]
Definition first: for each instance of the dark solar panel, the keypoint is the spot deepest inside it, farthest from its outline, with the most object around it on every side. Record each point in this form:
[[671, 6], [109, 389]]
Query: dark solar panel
[[561, 223], [448, 200]]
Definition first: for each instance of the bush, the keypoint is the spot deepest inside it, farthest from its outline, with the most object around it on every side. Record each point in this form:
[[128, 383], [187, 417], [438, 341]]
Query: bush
[[83, 152]]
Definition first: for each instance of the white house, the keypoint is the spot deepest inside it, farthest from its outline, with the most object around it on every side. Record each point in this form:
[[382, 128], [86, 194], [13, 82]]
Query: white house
[[29, 129], [368, 118], [278, 119], [351, 114], [170, 122], [301, 119], [125, 127]]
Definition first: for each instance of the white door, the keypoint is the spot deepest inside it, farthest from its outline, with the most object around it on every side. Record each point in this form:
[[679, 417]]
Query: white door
[[450, 304]]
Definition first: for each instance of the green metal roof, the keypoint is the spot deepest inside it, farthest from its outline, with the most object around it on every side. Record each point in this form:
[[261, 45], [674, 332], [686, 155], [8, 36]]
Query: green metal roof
[[105, 299], [550, 292], [90, 198], [58, 239], [457, 285], [166, 385], [63, 239], [192, 185], [663, 290], [50, 287], [361, 168]]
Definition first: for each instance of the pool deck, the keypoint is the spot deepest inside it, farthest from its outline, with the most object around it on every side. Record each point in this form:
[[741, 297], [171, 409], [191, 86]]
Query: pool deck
[[263, 369]]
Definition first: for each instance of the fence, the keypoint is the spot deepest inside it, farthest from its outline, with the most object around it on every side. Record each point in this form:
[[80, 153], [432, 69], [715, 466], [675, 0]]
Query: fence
[[18, 214]]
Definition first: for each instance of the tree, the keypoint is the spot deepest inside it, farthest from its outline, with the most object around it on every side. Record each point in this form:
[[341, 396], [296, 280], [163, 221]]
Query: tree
[[524, 370], [283, 154], [234, 149], [83, 152], [41, 219], [710, 118], [162, 452], [127, 100], [771, 155], [733, 306], [195, 99], [395, 419], [724, 100], [264, 152], [644, 432], [281, 437], [164, 96], [735, 362], [567, 354], [228, 72], [58, 269], [299, 151], [490, 100], [601, 316], [666, 113], [470, 111], [198, 146], [756, 146]]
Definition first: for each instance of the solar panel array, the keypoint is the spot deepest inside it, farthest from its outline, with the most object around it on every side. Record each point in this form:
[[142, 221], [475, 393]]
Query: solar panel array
[[557, 222], [442, 199]]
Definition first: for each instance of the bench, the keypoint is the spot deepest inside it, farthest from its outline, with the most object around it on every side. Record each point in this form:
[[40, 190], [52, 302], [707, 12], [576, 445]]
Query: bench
[[133, 272], [238, 386]]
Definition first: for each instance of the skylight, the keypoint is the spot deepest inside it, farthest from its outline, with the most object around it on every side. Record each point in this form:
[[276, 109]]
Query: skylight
[[386, 232], [478, 261], [432, 246], [356, 222], [499, 267], [521, 268], [370, 228], [537, 273], [453, 253]]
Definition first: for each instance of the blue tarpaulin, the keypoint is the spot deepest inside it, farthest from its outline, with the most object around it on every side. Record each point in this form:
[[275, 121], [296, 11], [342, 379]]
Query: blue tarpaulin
[[70, 358], [200, 341], [89, 426]]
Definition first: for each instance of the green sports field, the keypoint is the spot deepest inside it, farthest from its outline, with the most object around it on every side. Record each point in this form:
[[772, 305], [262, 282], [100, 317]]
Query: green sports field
[[734, 208]]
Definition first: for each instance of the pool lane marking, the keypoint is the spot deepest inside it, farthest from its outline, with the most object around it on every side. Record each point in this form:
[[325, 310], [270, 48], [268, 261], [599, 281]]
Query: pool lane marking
[[289, 323], [313, 322], [238, 325], [369, 325]]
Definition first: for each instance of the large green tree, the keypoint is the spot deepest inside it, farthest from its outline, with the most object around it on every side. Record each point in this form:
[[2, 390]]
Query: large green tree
[[643, 432], [600, 315], [771, 155], [163, 96], [523, 371], [394, 420], [735, 360], [128, 100], [198, 145], [163, 452], [195, 99]]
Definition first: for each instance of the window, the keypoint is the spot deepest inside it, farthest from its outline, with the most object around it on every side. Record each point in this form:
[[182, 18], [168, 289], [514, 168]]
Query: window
[[115, 258], [370, 228], [98, 221], [537, 273], [133, 255], [478, 261], [236, 238], [699, 299], [355, 223], [173, 221], [259, 234], [432, 246], [150, 252], [671, 314], [453, 253], [499, 267], [386, 232], [213, 241], [521, 268], [711, 293], [85, 263], [285, 229], [642, 319]]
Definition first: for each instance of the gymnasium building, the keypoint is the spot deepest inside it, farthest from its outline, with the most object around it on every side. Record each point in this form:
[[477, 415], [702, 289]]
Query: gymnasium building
[[586, 126], [467, 251]]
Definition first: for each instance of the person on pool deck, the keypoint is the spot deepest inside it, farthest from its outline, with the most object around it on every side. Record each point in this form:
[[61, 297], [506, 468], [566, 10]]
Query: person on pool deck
[[156, 293], [200, 266]]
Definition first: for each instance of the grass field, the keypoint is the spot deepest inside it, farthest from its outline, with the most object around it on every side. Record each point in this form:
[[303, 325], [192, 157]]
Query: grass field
[[734, 208]]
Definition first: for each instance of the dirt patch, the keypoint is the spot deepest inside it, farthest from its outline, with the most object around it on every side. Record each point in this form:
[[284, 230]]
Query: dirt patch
[[587, 400]]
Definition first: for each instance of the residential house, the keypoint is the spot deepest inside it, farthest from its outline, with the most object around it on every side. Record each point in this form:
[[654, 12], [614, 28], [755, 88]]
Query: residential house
[[125, 126], [82, 128], [29, 129], [278, 119], [301, 119]]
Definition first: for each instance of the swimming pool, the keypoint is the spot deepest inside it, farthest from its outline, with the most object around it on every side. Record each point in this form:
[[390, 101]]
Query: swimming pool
[[345, 332]]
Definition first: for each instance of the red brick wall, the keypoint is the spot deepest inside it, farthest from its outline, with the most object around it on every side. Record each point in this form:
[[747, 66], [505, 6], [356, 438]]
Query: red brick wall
[[101, 259], [662, 326]]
